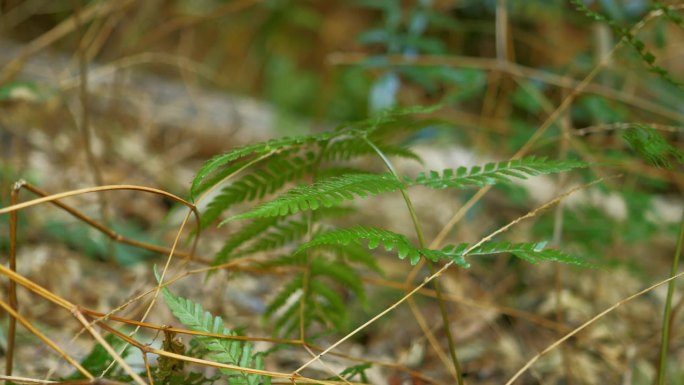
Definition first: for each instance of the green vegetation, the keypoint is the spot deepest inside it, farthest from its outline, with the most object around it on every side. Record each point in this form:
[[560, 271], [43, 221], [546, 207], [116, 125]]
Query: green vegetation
[[448, 193]]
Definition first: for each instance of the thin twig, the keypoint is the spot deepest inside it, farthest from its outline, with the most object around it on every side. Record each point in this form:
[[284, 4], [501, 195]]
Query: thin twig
[[585, 325], [667, 313], [16, 316], [12, 286]]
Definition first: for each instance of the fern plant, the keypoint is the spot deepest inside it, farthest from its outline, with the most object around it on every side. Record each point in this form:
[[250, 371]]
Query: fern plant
[[304, 181], [226, 351]]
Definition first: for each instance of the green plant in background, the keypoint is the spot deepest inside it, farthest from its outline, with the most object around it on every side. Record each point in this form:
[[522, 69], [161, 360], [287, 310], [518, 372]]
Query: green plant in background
[[405, 31], [287, 202]]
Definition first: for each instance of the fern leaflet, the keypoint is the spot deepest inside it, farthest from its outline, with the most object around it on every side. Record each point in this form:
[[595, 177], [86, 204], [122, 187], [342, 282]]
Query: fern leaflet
[[493, 173], [629, 38], [226, 351], [530, 252], [245, 234], [267, 180], [322, 303], [354, 147], [652, 146], [332, 191], [339, 273], [325, 193], [374, 236], [272, 146], [279, 235]]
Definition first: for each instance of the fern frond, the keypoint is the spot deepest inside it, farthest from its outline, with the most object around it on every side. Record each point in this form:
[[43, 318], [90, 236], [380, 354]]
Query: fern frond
[[354, 147], [493, 173], [629, 38], [284, 260], [325, 193], [285, 293], [652, 146], [389, 119], [267, 180], [289, 320], [374, 236], [339, 171], [333, 300], [232, 352], [278, 236], [352, 371], [531, 252], [217, 163], [217, 177], [340, 273], [245, 234], [357, 254], [322, 303]]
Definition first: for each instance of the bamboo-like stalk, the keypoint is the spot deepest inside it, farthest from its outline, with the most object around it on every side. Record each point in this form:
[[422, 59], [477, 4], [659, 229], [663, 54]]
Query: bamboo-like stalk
[[667, 313]]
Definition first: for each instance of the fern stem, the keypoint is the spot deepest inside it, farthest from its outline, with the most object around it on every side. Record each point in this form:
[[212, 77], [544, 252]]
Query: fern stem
[[422, 243], [667, 316]]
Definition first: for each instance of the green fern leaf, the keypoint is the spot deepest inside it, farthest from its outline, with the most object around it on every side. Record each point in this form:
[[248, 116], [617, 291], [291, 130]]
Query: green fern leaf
[[352, 371], [374, 237], [357, 254], [493, 173], [218, 162], [267, 180], [245, 234], [389, 119], [326, 193], [289, 320], [354, 147], [232, 352], [217, 177], [279, 235], [285, 293], [340, 273], [285, 260], [323, 304], [333, 300], [531, 252], [652, 146]]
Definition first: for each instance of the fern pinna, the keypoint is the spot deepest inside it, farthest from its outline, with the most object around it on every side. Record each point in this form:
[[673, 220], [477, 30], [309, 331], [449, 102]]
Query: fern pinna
[[226, 351], [302, 181]]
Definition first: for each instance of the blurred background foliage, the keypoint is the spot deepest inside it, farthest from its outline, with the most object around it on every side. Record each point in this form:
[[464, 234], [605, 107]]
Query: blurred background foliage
[[499, 68]]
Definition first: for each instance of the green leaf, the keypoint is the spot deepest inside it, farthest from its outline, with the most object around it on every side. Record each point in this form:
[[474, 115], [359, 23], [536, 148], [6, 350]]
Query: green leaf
[[218, 162], [277, 236], [245, 233], [374, 237], [652, 146], [226, 351], [354, 147], [531, 252], [99, 359], [325, 193], [493, 173], [339, 273], [267, 180], [22, 91]]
